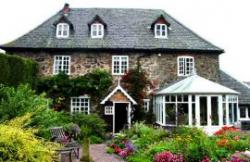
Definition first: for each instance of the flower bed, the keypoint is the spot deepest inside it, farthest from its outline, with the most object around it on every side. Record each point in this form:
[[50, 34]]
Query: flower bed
[[184, 144]]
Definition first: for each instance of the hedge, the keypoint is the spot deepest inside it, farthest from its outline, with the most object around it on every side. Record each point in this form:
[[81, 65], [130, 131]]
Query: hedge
[[15, 70]]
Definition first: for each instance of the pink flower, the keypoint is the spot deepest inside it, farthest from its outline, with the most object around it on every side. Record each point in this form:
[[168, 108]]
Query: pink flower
[[237, 138], [205, 159], [167, 156], [124, 153]]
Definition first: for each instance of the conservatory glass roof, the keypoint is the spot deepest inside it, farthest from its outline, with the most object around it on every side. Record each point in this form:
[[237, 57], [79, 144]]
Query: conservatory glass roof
[[196, 85]]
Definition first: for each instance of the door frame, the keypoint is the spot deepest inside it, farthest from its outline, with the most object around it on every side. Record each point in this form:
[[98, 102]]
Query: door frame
[[209, 109], [128, 113]]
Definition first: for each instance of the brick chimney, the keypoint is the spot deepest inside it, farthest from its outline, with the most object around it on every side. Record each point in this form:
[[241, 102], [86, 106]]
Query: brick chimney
[[66, 9]]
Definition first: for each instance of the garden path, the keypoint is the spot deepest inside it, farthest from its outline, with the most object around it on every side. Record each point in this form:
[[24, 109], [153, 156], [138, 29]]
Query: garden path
[[98, 154]]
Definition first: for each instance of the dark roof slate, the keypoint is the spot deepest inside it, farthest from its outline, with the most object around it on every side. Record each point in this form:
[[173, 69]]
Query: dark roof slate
[[230, 82], [126, 29]]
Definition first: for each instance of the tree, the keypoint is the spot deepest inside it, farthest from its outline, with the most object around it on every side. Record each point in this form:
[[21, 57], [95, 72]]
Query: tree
[[136, 82]]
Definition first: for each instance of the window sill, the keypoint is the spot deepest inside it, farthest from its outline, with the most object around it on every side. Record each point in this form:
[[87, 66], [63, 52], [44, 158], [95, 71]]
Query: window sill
[[161, 37], [62, 37]]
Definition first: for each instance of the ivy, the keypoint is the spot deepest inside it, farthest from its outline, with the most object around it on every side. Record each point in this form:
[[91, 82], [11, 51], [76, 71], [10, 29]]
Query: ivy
[[61, 87]]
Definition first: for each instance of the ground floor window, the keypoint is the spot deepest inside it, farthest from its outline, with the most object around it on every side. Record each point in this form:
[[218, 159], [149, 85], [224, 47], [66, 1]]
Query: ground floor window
[[232, 106], [108, 110], [244, 112], [146, 104], [80, 104]]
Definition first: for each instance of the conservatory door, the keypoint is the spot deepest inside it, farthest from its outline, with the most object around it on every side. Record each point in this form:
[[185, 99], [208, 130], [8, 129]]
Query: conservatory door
[[209, 110]]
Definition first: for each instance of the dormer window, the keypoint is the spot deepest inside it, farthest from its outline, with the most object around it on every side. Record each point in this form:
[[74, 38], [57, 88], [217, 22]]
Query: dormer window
[[161, 31], [160, 27], [62, 30], [97, 30]]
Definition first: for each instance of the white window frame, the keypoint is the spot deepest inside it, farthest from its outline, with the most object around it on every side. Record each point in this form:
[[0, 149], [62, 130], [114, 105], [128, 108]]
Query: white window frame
[[79, 106], [61, 62], [185, 64], [60, 29], [161, 31], [246, 113], [120, 57], [146, 103], [97, 30], [109, 110]]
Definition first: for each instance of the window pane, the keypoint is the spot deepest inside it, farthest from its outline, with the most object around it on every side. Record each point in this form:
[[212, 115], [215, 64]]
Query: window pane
[[62, 30], [186, 65], [230, 113], [193, 114], [182, 116], [80, 105], [235, 112], [120, 64], [61, 63], [215, 110], [203, 110], [243, 112], [170, 114]]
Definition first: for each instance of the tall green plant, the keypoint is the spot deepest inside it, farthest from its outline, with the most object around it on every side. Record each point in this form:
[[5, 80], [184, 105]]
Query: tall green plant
[[16, 70], [136, 82], [21, 145], [17, 101]]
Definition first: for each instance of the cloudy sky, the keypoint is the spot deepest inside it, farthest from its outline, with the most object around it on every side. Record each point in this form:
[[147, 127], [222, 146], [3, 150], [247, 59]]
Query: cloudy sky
[[225, 23]]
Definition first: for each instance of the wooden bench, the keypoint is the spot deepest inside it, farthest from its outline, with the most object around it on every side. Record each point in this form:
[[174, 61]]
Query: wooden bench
[[70, 148], [58, 135], [68, 151]]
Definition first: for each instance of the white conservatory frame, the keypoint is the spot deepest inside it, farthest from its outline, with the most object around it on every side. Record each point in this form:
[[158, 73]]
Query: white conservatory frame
[[171, 103]]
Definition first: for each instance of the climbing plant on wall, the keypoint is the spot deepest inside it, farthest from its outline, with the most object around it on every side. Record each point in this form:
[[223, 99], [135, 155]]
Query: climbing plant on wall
[[136, 82], [61, 87]]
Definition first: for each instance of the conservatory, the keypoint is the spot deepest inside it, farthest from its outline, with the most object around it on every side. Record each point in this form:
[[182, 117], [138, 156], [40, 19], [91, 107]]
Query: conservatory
[[196, 101]]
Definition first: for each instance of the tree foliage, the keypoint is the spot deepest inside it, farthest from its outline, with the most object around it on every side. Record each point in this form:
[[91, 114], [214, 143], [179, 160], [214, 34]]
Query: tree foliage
[[136, 82], [21, 145], [17, 101]]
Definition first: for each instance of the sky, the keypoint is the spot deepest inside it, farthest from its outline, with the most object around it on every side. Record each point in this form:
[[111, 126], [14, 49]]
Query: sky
[[225, 23]]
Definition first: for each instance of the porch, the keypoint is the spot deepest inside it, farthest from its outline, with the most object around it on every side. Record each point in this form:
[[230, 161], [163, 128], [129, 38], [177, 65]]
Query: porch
[[117, 109]]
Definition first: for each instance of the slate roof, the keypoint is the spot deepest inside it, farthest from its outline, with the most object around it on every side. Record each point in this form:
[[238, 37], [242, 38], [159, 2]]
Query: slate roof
[[248, 83], [230, 82], [126, 29]]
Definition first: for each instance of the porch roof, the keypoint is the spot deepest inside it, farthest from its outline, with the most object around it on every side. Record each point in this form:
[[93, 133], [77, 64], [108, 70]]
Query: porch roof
[[196, 85], [119, 88]]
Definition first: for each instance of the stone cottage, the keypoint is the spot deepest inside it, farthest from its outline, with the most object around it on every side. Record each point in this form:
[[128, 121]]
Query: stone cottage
[[77, 40]]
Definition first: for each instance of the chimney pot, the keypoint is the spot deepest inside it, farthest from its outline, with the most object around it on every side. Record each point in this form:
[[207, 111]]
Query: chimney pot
[[66, 9]]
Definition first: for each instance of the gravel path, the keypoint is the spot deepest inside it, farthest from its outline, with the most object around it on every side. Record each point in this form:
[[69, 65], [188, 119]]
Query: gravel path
[[98, 154]]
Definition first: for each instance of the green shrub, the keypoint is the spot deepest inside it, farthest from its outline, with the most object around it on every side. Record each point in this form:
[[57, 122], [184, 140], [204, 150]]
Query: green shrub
[[20, 144], [91, 126], [143, 135], [45, 119], [17, 101], [16, 70]]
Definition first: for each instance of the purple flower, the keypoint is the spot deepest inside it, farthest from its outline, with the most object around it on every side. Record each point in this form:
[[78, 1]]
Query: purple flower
[[129, 145]]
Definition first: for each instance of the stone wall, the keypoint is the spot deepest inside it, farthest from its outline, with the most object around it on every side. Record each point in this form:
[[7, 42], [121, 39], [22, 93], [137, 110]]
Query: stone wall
[[160, 67]]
